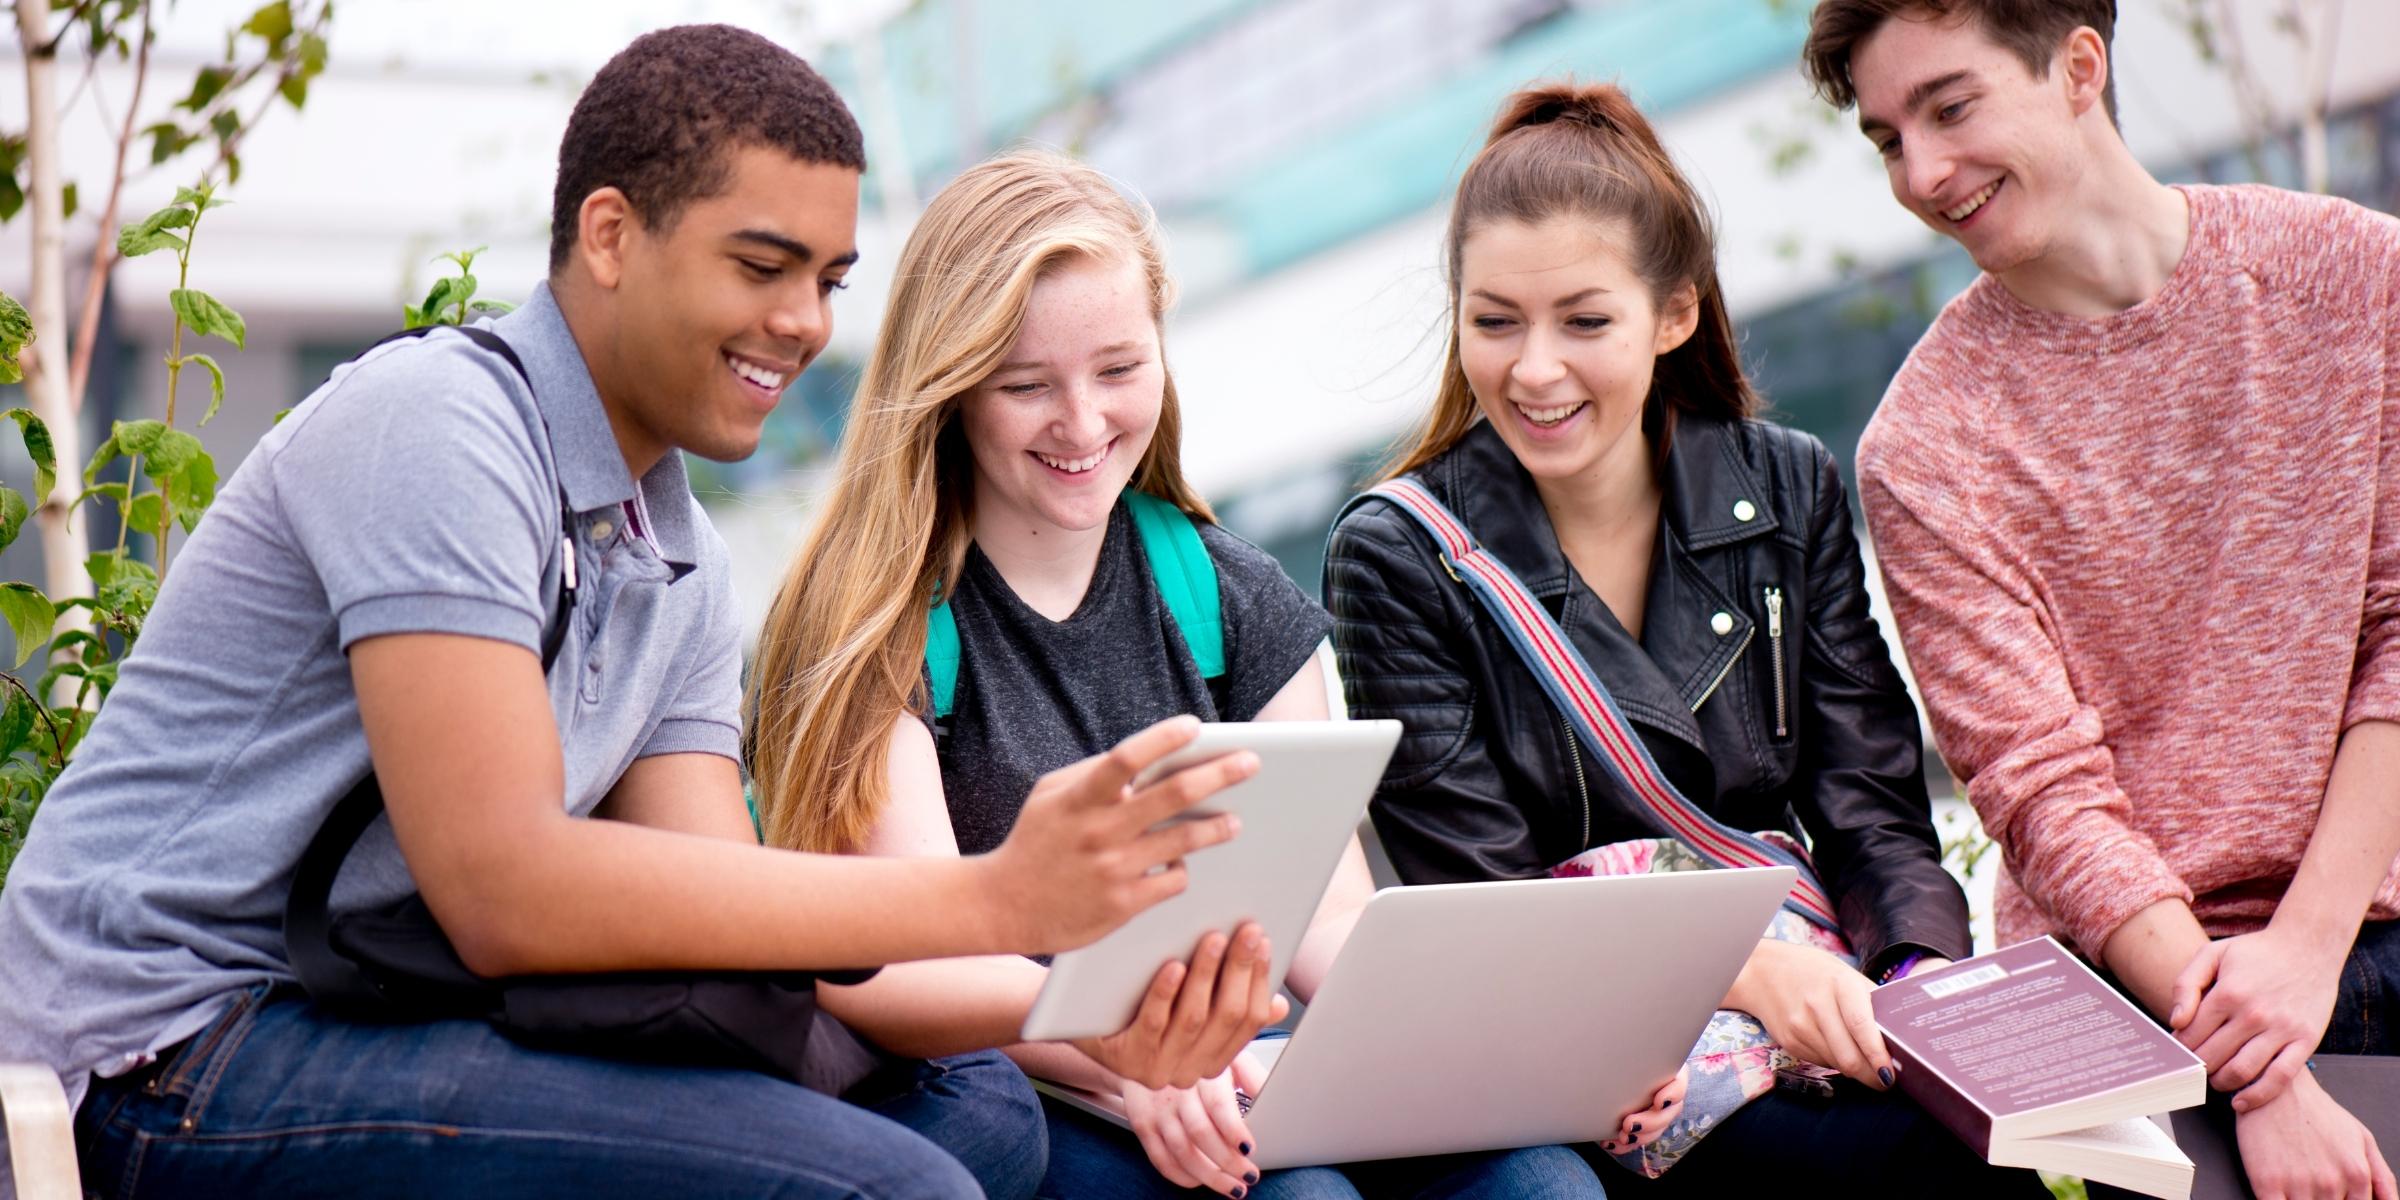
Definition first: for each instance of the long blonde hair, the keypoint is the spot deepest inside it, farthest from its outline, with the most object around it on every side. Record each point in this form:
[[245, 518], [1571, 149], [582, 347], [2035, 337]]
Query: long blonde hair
[[839, 658], [1583, 150]]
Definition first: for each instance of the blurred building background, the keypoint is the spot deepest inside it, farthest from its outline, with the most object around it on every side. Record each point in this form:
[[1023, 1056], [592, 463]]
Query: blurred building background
[[1299, 151]]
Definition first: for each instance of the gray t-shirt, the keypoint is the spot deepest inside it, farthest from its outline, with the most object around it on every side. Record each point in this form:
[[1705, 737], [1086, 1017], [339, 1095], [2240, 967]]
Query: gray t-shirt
[[1035, 694], [417, 491]]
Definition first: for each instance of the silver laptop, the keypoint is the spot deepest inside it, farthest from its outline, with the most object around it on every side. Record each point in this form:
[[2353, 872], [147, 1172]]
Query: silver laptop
[[1488, 1016]]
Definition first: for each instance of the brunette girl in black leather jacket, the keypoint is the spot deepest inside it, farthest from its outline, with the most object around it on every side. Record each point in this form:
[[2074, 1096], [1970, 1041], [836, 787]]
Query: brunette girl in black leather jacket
[[1593, 431]]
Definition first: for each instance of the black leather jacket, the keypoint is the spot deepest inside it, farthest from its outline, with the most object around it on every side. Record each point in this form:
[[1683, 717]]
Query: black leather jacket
[[1807, 730]]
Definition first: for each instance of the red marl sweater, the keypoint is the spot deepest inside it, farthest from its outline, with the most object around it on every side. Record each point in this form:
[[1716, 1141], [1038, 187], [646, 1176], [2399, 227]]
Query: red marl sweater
[[2147, 568]]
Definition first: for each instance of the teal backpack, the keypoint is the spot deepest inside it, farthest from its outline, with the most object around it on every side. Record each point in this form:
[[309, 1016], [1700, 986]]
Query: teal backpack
[[1179, 563]]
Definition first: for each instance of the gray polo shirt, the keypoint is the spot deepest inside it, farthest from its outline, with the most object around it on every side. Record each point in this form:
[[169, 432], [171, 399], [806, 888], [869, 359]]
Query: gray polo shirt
[[416, 492]]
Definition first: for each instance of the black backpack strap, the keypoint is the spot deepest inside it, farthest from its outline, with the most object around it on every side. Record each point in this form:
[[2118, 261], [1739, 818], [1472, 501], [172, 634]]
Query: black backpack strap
[[307, 923]]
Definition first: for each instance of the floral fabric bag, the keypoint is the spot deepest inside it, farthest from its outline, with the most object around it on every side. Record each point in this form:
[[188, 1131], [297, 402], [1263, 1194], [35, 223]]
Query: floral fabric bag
[[1735, 1061]]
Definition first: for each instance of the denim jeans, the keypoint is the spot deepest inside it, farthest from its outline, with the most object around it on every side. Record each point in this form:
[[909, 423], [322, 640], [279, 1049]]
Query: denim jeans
[[1091, 1159], [277, 1098], [2366, 1008], [1859, 1142]]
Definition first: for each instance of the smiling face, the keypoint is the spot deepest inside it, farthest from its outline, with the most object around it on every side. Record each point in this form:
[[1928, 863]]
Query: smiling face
[[1057, 431], [1976, 145], [714, 316], [1558, 337]]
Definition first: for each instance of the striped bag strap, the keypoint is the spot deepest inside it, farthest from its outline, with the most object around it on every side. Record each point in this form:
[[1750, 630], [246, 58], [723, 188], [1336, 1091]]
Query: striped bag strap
[[1578, 693]]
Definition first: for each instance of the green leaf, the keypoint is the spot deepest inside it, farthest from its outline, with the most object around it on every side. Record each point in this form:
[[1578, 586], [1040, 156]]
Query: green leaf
[[151, 234], [16, 723], [170, 454], [216, 383], [106, 565], [16, 329], [411, 317], [168, 139], [277, 419], [436, 301], [205, 86], [497, 308], [144, 513], [294, 89], [461, 288], [133, 243], [67, 669], [30, 617], [312, 54], [203, 313], [227, 123], [193, 489], [38, 447], [272, 22], [86, 646], [12, 516], [69, 200]]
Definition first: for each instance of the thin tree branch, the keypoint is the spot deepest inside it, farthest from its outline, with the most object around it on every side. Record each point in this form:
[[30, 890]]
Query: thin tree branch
[[104, 246]]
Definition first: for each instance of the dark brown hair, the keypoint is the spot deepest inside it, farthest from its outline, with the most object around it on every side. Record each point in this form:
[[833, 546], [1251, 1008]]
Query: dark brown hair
[[661, 121], [1582, 150], [2032, 30]]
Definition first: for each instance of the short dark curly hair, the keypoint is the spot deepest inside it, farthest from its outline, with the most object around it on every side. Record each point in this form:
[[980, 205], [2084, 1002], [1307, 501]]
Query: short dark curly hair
[[2030, 29], [661, 120]]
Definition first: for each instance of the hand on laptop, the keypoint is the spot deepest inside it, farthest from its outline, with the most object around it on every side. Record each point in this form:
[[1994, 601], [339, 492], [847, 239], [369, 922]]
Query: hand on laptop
[[1641, 1127], [1195, 1018], [2303, 1145], [2254, 1008], [1817, 1007], [1084, 858], [1195, 1136]]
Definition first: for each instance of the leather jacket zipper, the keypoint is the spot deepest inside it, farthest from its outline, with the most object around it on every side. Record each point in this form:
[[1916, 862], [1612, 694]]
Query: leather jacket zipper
[[1775, 658], [1582, 788]]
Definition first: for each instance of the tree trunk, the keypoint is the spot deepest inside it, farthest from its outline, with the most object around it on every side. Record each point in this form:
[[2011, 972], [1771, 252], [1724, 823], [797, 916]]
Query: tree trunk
[[46, 377]]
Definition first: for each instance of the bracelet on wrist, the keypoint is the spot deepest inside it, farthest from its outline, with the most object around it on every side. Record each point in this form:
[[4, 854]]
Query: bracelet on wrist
[[1899, 970]]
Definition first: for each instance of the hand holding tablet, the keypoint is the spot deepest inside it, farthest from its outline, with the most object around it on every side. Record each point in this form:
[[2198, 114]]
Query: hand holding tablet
[[1296, 814], [1088, 852]]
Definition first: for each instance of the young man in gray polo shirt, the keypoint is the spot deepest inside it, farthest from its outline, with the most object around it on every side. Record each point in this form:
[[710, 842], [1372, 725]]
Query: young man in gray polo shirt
[[378, 577]]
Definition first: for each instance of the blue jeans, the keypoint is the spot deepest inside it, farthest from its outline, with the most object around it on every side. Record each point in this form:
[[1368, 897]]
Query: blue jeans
[[277, 1098], [2366, 1008], [1091, 1159]]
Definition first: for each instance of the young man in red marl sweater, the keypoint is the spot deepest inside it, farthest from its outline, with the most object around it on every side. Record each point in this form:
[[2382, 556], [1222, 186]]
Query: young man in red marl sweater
[[2137, 500]]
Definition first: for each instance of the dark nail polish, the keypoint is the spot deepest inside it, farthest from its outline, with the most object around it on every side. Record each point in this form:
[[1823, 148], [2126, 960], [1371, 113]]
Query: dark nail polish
[[1246, 1150], [1249, 1177], [1239, 1192], [1637, 1128], [1884, 1074], [1673, 1103]]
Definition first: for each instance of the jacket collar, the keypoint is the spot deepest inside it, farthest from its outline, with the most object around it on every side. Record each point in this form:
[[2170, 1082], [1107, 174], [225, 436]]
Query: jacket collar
[[1681, 656]]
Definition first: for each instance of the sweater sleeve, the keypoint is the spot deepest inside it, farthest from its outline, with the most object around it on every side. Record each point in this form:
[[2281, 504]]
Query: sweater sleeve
[[2375, 682], [1975, 623]]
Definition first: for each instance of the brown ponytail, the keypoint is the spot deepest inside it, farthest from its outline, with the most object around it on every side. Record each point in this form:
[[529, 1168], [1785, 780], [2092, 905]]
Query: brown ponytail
[[1583, 150]]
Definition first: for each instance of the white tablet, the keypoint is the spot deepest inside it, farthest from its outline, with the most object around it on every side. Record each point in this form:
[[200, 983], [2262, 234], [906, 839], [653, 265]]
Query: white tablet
[[1314, 779]]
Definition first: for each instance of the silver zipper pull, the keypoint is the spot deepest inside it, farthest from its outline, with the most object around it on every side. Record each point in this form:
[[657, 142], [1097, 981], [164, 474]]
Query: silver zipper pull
[[1774, 612]]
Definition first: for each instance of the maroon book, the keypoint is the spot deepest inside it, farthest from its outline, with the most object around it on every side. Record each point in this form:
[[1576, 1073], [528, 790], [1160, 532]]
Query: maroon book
[[2035, 1061]]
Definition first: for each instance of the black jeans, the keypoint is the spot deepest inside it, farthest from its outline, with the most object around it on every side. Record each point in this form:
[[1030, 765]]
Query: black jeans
[[1860, 1142]]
